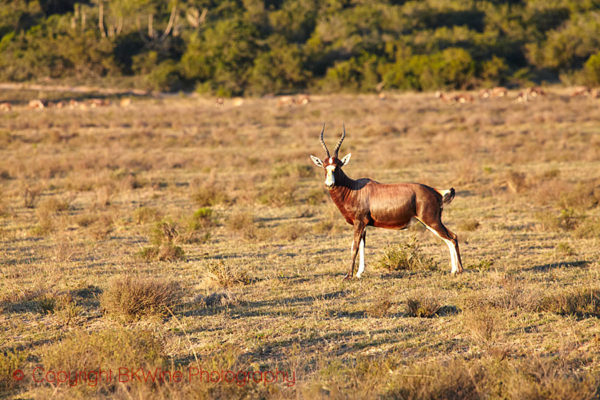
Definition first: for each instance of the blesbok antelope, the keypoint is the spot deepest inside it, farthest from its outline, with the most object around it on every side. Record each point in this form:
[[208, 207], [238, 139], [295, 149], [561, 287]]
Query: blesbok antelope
[[36, 104], [365, 202], [535, 91], [454, 98], [447, 98], [464, 98], [498, 91], [581, 91], [302, 99]]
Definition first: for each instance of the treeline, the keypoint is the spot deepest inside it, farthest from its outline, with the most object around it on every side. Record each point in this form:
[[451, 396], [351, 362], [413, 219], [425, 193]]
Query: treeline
[[234, 47]]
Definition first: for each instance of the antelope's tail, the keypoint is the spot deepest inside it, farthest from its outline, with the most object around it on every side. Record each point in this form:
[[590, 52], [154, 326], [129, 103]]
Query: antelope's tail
[[447, 195]]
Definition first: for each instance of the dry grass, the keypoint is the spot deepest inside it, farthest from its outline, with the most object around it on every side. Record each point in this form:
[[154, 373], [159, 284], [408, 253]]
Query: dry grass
[[228, 274], [102, 209], [132, 297], [94, 355], [422, 306]]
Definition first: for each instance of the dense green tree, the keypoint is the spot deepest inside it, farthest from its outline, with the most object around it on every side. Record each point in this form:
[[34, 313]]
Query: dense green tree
[[234, 47], [592, 69]]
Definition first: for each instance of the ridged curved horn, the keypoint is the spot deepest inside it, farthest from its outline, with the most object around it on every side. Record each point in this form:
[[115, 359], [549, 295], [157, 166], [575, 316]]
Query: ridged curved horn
[[323, 141], [339, 144]]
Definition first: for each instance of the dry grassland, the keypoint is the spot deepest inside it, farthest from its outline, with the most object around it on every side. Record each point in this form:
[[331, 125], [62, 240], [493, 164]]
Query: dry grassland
[[176, 234]]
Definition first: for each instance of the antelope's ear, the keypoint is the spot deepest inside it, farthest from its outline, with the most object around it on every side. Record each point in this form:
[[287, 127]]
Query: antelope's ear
[[317, 162], [346, 159]]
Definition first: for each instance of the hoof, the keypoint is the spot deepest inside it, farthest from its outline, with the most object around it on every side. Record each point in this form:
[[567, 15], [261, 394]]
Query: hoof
[[347, 277]]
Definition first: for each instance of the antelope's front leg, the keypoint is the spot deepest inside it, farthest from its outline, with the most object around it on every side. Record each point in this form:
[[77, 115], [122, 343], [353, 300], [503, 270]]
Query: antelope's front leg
[[361, 255], [359, 228]]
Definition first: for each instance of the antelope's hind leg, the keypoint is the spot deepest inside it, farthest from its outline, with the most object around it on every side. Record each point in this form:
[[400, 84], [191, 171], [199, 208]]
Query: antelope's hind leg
[[451, 240]]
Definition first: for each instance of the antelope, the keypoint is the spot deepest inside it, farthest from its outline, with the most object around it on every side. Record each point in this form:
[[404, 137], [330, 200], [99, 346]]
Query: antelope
[[36, 104], [498, 91], [464, 98], [522, 97], [237, 101], [535, 91], [285, 101], [302, 99], [581, 91], [447, 98], [454, 98], [365, 202], [125, 102]]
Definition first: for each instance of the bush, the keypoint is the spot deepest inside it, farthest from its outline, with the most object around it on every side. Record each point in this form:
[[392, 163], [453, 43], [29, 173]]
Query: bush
[[580, 302], [591, 69], [131, 297], [566, 220], [405, 256], [209, 195], [280, 68], [143, 215], [162, 236], [227, 275], [426, 307], [453, 67], [165, 77]]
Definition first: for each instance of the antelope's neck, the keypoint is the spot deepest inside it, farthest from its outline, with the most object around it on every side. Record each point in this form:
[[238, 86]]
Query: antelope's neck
[[344, 192]]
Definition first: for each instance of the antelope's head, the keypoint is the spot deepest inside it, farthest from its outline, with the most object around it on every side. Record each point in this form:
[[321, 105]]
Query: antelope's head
[[331, 164]]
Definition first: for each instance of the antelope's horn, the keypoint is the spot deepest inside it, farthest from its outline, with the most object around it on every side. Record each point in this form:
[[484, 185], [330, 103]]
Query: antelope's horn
[[323, 141], [339, 144]]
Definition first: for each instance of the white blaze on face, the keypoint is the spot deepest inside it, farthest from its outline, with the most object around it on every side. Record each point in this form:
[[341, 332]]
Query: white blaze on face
[[330, 180]]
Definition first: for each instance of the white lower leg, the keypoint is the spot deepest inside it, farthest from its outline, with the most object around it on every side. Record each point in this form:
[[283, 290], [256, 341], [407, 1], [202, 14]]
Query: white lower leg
[[453, 255], [361, 264]]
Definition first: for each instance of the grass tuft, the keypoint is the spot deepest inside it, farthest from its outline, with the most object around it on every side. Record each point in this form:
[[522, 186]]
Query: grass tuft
[[579, 302], [422, 307], [226, 275], [131, 298], [380, 308], [209, 195], [405, 257], [143, 215], [162, 237]]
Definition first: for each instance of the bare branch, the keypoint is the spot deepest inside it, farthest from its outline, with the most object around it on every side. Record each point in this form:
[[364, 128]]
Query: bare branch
[[171, 21], [101, 18]]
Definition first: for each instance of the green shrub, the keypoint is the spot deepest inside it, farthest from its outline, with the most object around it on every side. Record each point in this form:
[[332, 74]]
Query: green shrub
[[165, 77], [405, 256], [592, 69]]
